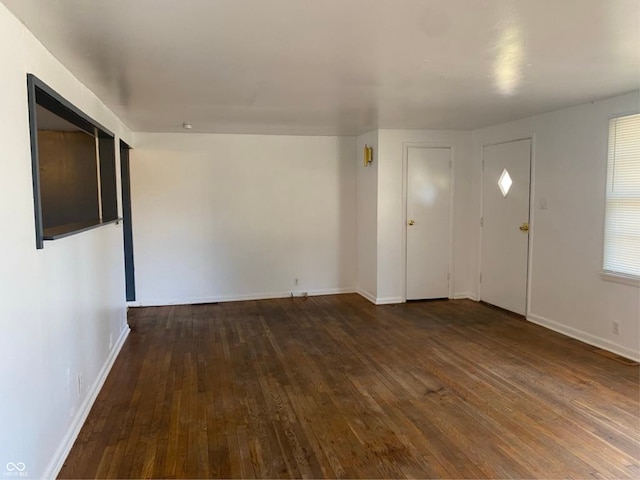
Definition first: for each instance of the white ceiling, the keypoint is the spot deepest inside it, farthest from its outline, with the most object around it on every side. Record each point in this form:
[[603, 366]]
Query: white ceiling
[[339, 66]]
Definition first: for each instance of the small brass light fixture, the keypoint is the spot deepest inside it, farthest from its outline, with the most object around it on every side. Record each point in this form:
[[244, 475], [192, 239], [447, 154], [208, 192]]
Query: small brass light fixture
[[367, 155]]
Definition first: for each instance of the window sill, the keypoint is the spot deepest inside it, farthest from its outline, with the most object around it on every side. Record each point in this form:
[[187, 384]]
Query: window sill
[[62, 231], [623, 278]]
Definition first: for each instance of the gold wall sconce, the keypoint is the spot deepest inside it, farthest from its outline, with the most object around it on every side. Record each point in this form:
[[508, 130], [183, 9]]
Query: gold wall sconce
[[367, 155]]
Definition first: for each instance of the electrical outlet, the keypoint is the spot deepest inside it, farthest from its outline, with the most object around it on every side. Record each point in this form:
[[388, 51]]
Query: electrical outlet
[[80, 383], [615, 327]]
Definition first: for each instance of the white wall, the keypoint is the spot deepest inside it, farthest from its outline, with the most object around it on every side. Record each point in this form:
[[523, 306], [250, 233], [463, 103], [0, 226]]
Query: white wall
[[62, 309], [391, 203], [367, 217], [222, 216], [567, 293], [228, 217]]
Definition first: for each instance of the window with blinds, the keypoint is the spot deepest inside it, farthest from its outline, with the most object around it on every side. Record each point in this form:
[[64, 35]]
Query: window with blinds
[[622, 213]]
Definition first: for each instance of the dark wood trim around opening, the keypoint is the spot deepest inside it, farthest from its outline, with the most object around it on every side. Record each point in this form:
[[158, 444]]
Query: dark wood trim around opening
[[129, 266], [39, 93]]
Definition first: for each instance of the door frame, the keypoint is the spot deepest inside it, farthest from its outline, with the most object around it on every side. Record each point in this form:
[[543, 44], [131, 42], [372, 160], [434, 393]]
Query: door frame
[[127, 231], [405, 171], [532, 203]]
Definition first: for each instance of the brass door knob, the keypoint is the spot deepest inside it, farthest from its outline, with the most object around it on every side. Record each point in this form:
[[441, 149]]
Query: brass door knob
[[524, 227], [411, 222]]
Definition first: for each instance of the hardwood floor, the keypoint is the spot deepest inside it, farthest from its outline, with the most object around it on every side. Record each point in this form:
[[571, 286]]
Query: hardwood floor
[[335, 387]]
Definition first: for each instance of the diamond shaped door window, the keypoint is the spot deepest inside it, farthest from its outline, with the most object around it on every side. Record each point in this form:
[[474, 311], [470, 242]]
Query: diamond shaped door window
[[505, 182]]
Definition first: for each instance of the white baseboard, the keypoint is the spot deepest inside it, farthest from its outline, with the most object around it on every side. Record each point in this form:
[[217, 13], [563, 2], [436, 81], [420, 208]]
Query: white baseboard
[[389, 300], [380, 301], [163, 302], [61, 453], [367, 295], [239, 298], [465, 295], [585, 337], [332, 291]]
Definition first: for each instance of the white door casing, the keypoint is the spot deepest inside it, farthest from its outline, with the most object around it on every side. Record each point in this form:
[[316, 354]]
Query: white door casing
[[506, 180], [428, 222]]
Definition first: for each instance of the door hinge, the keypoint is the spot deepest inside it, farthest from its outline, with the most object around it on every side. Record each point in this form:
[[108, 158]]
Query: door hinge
[[481, 221], [481, 278]]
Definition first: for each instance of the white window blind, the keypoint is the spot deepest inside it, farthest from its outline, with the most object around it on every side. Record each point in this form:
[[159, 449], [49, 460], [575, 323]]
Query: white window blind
[[622, 215]]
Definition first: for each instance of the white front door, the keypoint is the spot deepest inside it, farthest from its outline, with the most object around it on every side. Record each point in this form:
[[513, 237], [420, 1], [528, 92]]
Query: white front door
[[428, 214], [505, 224]]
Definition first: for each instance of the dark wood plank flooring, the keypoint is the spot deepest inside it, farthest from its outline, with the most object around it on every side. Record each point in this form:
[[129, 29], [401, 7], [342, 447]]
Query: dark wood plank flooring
[[335, 387]]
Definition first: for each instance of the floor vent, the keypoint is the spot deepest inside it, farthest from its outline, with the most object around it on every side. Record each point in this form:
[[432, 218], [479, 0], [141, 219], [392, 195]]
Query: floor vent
[[617, 358]]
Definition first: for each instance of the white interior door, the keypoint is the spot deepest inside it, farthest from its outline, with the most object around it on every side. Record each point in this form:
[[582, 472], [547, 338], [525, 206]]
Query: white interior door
[[428, 217], [505, 224]]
